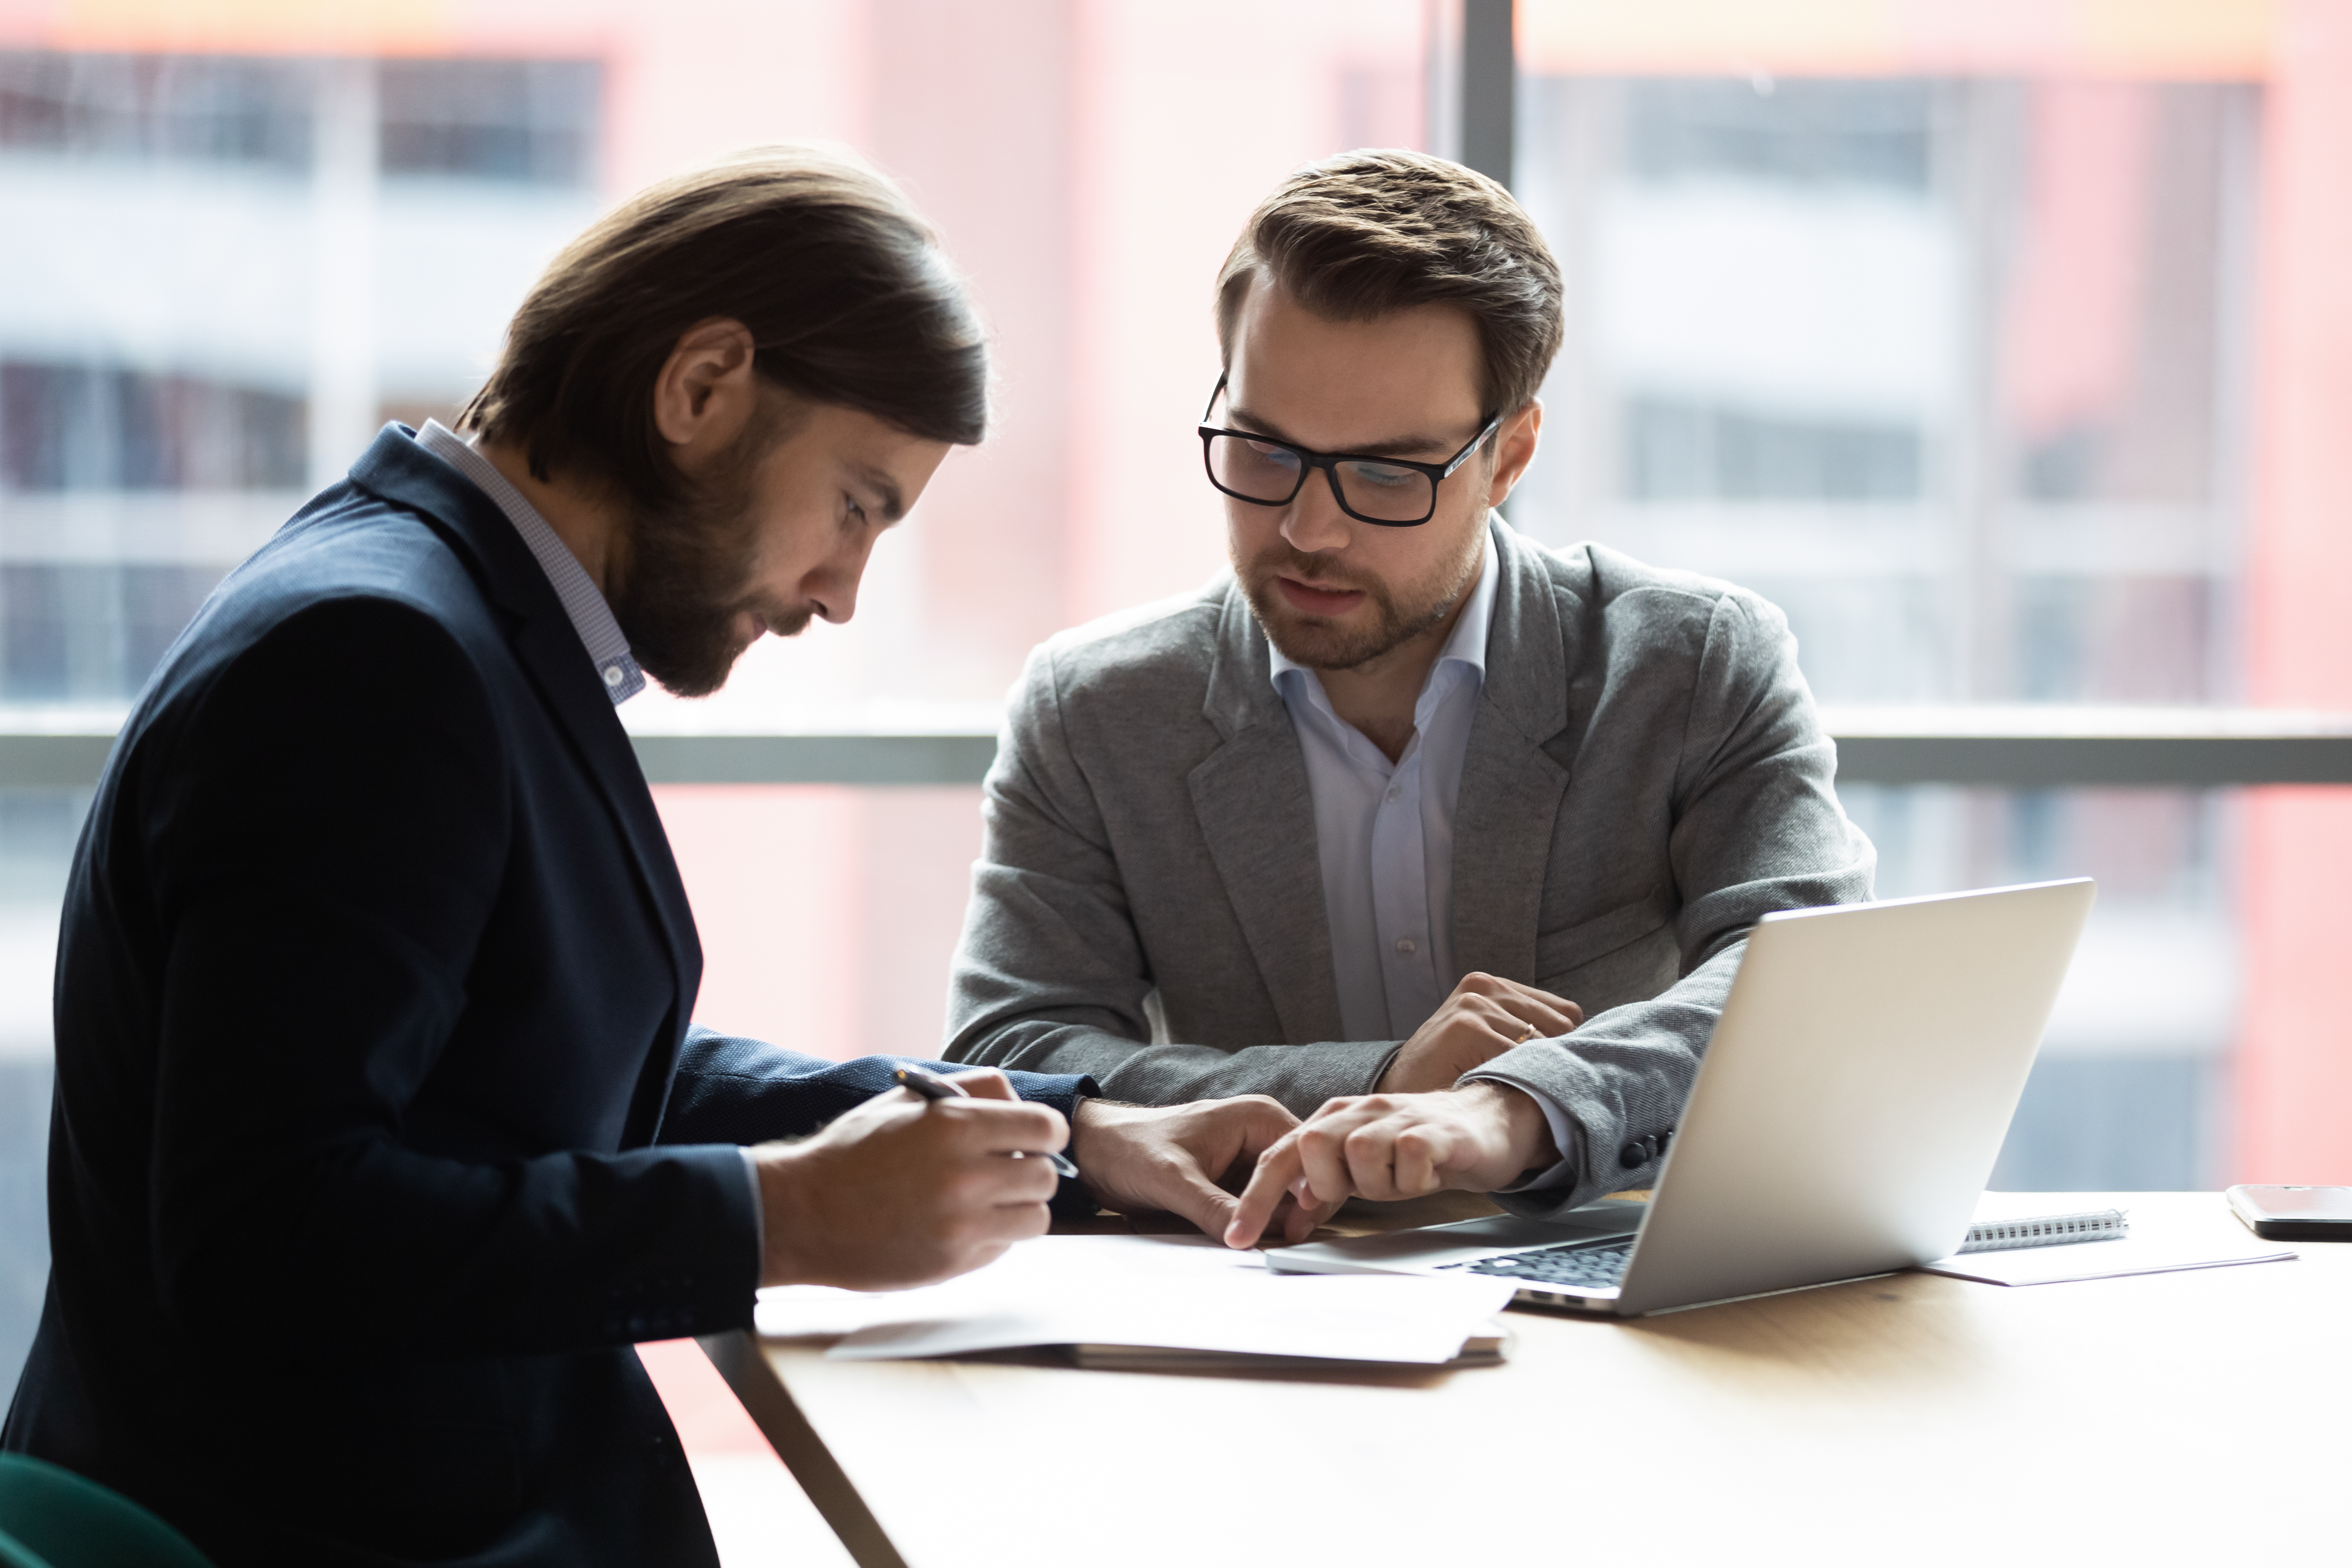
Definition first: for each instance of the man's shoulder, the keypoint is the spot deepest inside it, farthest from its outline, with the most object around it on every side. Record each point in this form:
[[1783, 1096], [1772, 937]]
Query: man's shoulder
[[1624, 588], [347, 545], [351, 560], [1618, 610]]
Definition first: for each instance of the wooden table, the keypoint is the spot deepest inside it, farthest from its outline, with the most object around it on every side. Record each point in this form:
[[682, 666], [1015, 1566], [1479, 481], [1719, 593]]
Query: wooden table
[[2194, 1417]]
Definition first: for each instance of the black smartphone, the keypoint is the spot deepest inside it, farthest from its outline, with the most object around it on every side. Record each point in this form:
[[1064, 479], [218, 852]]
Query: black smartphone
[[2295, 1213]]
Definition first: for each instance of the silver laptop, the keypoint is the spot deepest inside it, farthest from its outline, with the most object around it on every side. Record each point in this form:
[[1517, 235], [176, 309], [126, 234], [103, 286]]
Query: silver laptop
[[1848, 1112]]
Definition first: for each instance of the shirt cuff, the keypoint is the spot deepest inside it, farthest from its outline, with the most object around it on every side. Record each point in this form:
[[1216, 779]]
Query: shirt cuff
[[760, 1215], [1563, 1138]]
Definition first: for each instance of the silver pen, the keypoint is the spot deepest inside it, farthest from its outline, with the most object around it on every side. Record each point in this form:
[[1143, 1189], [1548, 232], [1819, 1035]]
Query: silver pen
[[931, 1086]]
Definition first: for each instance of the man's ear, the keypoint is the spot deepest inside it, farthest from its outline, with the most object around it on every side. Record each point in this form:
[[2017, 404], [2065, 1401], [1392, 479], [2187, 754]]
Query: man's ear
[[706, 392], [1514, 448]]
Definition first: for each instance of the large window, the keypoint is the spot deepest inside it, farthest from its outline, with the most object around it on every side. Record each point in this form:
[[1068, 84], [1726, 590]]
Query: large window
[[2002, 351], [1951, 370]]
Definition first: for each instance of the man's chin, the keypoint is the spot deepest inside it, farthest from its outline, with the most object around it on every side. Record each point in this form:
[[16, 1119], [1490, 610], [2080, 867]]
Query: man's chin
[[687, 670], [691, 683], [1319, 642]]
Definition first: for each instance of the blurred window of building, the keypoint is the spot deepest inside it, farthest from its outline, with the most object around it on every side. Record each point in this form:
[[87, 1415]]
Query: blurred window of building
[[149, 106], [1801, 133], [1949, 367], [532, 121], [1942, 365], [222, 273], [78, 428]]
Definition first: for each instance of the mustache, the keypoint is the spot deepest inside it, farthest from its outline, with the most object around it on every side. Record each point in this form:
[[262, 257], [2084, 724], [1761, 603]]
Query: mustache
[[784, 623], [1280, 559]]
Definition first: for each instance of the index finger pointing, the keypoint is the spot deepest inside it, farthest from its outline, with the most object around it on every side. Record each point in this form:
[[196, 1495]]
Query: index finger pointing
[[1278, 1168]]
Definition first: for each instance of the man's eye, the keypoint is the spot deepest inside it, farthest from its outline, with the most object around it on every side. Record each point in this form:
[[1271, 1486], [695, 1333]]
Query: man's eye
[[1383, 475]]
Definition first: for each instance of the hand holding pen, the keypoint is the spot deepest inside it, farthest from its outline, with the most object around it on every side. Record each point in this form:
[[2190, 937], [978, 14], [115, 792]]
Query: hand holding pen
[[931, 1086]]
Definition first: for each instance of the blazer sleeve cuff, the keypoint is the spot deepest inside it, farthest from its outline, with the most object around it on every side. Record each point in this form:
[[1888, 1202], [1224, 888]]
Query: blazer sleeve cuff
[[1301, 1078], [1562, 1170], [672, 1289], [1064, 1092]]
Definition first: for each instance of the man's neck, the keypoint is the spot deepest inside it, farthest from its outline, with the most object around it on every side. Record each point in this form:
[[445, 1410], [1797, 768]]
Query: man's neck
[[584, 523], [1377, 696]]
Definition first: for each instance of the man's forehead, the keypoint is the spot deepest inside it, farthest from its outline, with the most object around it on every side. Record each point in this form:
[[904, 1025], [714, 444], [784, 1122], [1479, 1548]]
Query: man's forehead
[[1377, 420], [1309, 378]]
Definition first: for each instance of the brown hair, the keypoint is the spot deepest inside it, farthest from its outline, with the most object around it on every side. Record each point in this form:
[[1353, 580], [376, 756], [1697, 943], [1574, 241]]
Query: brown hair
[[1368, 232], [840, 282]]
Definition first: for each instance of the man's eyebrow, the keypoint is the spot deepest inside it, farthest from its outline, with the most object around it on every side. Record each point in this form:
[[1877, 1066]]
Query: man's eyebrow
[[894, 505], [1394, 446]]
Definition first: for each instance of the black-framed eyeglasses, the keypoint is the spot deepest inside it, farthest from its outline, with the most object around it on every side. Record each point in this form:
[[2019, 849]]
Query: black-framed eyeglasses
[[1388, 493]]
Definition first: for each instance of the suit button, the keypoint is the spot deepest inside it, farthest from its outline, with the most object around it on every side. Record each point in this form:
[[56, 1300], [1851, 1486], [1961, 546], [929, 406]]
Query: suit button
[[1630, 1156]]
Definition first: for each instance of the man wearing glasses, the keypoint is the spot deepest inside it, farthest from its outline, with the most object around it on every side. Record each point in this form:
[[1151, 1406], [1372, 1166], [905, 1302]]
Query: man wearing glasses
[[1448, 842]]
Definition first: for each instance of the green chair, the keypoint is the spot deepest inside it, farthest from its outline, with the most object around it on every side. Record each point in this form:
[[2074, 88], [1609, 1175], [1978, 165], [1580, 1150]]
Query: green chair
[[51, 1518]]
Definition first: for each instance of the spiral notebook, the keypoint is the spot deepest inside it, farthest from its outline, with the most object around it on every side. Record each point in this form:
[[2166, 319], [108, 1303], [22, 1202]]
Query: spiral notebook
[[2047, 1230], [2004, 1248]]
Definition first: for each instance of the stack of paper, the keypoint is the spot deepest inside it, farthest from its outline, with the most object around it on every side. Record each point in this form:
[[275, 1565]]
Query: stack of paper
[[1151, 1300]]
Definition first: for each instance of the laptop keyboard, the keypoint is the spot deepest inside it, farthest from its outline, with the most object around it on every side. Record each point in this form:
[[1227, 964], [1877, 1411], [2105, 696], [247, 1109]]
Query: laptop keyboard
[[1568, 1264]]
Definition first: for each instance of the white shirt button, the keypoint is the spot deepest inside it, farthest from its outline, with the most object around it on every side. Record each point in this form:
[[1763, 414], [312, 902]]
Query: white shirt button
[[1404, 945], [614, 675], [1396, 792]]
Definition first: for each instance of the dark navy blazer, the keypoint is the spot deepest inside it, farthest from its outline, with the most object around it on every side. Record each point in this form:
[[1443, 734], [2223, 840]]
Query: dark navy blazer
[[380, 1133]]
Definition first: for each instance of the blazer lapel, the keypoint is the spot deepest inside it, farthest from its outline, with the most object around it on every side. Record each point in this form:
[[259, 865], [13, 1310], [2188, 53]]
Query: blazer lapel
[[1511, 789], [1250, 796], [549, 651]]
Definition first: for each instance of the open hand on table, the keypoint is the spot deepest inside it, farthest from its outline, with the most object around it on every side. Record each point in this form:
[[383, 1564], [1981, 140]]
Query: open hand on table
[[1186, 1160], [1475, 1139], [1484, 1017]]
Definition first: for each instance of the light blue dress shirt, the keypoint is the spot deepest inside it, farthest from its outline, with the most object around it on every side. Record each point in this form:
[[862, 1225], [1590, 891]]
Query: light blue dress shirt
[[607, 645], [1384, 835]]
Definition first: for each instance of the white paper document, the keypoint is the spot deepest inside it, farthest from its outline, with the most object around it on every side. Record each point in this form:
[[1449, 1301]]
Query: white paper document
[[2101, 1260], [2145, 1251], [1178, 1293]]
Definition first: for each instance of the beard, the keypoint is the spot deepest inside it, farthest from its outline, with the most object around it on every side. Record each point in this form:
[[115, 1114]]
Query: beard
[[1320, 643], [685, 585]]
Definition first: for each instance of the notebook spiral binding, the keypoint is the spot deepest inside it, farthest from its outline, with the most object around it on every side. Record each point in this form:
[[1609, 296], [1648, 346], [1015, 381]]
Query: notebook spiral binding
[[2051, 1230]]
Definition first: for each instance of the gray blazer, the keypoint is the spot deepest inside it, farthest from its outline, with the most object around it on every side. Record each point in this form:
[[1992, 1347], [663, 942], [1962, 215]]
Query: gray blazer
[[1645, 776]]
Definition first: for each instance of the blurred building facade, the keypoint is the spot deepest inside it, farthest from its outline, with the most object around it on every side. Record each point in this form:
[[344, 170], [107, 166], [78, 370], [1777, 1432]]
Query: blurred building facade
[[1953, 369]]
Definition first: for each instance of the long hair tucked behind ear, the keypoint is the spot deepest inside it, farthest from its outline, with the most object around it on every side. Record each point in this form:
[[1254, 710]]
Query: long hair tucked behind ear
[[840, 282]]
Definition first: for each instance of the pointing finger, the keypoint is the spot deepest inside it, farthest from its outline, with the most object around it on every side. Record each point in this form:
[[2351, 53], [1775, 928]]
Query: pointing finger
[[1278, 1168]]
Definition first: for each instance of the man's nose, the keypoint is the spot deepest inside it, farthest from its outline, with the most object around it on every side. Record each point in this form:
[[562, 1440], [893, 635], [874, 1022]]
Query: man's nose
[[833, 585], [1315, 521]]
